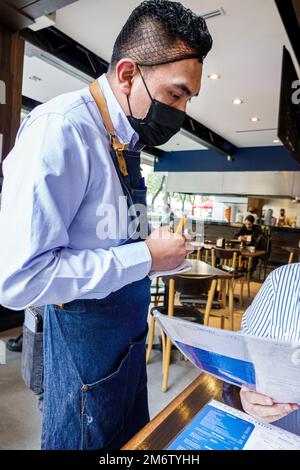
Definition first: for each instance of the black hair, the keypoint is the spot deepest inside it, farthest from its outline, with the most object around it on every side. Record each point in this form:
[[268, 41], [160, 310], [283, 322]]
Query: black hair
[[250, 218], [162, 31]]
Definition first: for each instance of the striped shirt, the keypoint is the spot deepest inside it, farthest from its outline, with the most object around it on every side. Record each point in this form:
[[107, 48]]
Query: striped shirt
[[275, 311]]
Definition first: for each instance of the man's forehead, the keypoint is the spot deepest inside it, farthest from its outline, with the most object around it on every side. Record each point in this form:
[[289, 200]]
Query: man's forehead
[[187, 75]]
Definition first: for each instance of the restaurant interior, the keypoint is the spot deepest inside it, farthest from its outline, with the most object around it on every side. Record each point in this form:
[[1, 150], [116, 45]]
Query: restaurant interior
[[234, 163]]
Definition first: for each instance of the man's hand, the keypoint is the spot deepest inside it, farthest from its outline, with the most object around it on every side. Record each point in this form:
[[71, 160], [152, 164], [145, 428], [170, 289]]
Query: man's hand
[[167, 249], [263, 408]]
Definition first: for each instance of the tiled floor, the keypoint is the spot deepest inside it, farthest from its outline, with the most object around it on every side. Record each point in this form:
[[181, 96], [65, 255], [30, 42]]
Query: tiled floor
[[20, 420]]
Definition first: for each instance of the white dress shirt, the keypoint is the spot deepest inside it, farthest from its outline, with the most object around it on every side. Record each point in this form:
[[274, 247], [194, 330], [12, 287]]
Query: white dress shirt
[[57, 179]]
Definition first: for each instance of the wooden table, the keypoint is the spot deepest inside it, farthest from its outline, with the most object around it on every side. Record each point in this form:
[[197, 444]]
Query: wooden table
[[159, 432], [241, 252], [200, 268], [292, 250]]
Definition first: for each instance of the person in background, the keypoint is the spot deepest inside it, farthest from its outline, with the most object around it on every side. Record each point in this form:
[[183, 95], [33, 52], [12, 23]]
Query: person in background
[[269, 218], [282, 220], [167, 216], [250, 229], [275, 314], [252, 234]]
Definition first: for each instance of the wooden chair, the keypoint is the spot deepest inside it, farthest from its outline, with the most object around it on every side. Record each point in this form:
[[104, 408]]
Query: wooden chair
[[157, 291], [291, 257], [189, 285], [157, 297], [231, 259]]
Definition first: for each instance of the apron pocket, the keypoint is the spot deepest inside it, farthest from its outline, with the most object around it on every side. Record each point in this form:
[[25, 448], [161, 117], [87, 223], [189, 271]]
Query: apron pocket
[[107, 403]]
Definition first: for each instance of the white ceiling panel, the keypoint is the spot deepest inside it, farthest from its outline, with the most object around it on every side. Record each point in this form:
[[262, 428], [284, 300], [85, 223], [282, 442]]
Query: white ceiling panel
[[248, 41]]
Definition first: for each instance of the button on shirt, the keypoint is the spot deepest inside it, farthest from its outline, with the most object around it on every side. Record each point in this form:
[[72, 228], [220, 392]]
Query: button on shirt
[[58, 180]]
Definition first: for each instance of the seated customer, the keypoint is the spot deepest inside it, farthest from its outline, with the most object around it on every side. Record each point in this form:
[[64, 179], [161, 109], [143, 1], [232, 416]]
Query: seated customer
[[275, 313], [250, 229]]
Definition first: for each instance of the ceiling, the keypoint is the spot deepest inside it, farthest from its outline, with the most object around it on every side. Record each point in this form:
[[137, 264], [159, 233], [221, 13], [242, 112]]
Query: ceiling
[[248, 41], [42, 81]]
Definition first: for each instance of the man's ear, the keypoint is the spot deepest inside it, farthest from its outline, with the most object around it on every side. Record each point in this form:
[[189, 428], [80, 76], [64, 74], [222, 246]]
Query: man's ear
[[126, 69]]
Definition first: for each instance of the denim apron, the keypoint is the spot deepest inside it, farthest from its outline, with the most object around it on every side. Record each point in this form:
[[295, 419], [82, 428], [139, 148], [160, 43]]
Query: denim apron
[[95, 382]]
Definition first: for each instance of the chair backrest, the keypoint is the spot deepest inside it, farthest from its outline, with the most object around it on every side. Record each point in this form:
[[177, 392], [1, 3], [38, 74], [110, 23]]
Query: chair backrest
[[193, 285], [225, 255]]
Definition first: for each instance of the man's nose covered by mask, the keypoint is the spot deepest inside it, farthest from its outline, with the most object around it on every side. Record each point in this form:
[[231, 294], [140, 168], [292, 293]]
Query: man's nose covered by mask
[[159, 125]]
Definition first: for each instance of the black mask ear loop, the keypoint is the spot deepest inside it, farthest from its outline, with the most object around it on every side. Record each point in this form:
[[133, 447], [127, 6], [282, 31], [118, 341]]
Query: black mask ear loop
[[147, 89]]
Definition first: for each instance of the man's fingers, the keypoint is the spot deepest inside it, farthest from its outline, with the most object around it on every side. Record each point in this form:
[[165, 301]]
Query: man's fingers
[[274, 411], [257, 398]]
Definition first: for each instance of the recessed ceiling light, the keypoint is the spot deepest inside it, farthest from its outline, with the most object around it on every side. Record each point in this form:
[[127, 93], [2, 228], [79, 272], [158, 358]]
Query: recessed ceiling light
[[238, 101], [35, 78], [276, 141], [254, 119], [214, 76]]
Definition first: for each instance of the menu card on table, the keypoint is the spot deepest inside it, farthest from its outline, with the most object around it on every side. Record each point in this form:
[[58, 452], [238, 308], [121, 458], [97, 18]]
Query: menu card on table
[[220, 427]]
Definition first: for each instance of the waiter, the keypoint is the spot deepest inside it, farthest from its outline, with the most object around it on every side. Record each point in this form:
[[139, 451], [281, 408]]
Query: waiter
[[74, 235]]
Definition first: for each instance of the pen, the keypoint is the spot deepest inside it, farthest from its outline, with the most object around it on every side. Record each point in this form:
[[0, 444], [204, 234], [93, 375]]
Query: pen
[[181, 225]]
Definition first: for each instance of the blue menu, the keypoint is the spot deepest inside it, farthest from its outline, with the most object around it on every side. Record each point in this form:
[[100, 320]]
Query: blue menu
[[226, 368], [214, 429]]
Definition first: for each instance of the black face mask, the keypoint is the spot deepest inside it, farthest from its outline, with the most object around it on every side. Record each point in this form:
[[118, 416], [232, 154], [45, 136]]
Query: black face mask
[[160, 124]]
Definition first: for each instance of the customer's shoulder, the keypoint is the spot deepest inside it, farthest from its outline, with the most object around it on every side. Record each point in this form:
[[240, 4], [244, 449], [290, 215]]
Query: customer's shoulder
[[285, 274]]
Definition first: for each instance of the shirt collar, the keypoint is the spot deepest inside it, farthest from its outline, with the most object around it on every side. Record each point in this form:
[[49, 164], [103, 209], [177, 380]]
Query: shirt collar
[[124, 131]]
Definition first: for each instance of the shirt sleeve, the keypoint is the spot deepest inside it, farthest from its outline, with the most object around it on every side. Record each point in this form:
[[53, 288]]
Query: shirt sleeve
[[39, 202], [257, 317], [237, 234]]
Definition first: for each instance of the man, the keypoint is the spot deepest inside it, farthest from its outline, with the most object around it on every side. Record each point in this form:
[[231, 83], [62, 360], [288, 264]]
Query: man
[[282, 219], [167, 216], [275, 313], [269, 218], [252, 234], [249, 232], [68, 240]]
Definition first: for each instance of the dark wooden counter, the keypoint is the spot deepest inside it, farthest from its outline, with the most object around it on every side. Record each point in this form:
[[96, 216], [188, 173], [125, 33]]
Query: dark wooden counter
[[280, 236], [157, 434]]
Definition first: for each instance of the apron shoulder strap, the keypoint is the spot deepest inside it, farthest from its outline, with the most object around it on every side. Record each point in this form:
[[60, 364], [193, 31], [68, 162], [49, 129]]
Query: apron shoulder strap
[[114, 141]]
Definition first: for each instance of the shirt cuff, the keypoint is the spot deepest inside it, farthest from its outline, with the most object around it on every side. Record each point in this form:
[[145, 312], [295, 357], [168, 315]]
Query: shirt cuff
[[135, 258]]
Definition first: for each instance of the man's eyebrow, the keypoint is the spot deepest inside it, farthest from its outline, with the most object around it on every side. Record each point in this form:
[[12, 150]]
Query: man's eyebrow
[[186, 89]]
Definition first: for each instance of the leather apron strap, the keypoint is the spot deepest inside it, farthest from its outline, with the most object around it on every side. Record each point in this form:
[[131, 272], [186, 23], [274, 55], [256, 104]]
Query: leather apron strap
[[116, 145]]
